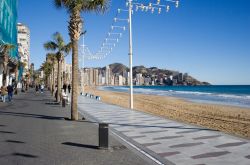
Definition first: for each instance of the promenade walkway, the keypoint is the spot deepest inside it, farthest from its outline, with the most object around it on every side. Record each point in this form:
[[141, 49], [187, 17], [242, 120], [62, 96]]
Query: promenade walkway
[[35, 133], [166, 141]]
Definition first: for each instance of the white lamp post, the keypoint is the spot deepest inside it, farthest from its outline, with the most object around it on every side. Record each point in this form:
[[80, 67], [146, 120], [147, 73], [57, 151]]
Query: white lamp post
[[130, 55]]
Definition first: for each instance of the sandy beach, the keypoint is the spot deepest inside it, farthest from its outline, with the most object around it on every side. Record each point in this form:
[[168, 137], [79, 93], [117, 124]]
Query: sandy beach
[[228, 119]]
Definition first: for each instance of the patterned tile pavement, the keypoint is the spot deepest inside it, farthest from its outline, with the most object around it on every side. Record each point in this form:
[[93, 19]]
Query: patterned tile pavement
[[169, 140]]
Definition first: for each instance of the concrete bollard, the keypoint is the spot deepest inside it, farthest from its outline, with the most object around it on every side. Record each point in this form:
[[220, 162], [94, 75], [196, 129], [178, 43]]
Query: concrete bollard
[[103, 136]]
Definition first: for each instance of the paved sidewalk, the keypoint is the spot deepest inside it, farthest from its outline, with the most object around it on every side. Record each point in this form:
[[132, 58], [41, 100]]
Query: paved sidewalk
[[34, 133], [167, 141]]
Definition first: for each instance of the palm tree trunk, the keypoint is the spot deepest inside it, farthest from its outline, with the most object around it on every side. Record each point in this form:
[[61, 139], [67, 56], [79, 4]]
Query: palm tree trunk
[[74, 96], [59, 81], [53, 79], [50, 81], [5, 67]]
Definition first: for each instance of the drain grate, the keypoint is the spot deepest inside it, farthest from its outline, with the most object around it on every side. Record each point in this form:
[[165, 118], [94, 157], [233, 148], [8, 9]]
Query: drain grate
[[115, 148]]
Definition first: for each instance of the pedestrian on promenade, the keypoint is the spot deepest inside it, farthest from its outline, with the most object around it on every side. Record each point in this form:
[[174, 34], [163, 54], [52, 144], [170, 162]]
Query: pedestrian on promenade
[[64, 88], [10, 92], [3, 93], [42, 88], [69, 88], [36, 88]]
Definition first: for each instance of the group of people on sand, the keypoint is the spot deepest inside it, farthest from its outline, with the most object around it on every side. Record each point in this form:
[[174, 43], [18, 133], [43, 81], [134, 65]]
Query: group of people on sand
[[6, 92]]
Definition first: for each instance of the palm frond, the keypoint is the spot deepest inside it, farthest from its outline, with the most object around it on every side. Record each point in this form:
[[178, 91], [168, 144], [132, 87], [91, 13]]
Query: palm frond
[[98, 6], [50, 45], [5, 48], [67, 48], [58, 3], [58, 39]]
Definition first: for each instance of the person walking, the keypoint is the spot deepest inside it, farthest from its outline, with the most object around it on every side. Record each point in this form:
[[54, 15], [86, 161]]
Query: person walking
[[37, 88], [42, 88], [64, 88], [69, 88], [3, 93], [10, 92]]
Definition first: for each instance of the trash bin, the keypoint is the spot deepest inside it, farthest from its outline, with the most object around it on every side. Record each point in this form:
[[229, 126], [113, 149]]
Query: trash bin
[[103, 135]]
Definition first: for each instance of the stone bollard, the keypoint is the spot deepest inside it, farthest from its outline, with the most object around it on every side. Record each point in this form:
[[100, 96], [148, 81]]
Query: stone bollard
[[103, 136]]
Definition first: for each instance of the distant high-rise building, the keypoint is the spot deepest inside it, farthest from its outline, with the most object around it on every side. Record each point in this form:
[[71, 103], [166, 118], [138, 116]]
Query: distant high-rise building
[[91, 76], [95, 77], [147, 80], [23, 39], [180, 78], [139, 79], [120, 80], [108, 75]]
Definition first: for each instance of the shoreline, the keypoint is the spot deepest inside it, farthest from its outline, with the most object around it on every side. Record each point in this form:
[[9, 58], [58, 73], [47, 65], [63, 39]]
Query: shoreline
[[205, 97], [229, 119]]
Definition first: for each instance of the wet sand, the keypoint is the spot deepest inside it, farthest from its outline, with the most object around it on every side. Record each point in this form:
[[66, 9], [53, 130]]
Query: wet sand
[[228, 119]]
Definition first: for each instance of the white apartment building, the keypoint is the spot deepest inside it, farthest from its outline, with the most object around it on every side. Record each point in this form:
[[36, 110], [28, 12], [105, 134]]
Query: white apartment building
[[23, 40]]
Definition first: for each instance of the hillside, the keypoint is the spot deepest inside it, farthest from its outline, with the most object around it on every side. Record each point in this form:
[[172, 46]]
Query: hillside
[[156, 73]]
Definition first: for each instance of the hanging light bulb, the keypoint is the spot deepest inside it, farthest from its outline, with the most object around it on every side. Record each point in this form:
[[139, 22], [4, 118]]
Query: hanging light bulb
[[124, 28], [146, 8], [112, 27], [115, 19], [150, 5], [152, 10], [158, 2], [142, 8], [168, 8], [136, 8], [159, 11], [119, 10], [177, 4]]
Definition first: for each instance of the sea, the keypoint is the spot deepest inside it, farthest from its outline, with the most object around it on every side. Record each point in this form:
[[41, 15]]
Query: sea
[[233, 95]]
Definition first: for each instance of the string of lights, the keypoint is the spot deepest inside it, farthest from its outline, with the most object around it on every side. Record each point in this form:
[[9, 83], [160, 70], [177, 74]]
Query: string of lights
[[118, 27]]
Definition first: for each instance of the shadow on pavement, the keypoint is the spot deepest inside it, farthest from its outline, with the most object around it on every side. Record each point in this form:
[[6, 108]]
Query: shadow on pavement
[[19, 99], [32, 115], [14, 141], [80, 145], [7, 132], [24, 155]]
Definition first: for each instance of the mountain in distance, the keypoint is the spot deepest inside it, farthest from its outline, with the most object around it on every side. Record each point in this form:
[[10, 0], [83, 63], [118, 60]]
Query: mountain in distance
[[155, 73]]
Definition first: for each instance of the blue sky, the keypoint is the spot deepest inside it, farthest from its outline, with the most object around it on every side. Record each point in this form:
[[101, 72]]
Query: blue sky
[[209, 39]]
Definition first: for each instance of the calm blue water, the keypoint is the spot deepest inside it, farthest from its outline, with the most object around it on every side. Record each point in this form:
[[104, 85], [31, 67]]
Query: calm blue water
[[236, 95]]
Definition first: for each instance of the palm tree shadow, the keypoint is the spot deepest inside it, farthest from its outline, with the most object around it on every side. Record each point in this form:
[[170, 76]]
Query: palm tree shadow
[[32, 115], [24, 155], [80, 145]]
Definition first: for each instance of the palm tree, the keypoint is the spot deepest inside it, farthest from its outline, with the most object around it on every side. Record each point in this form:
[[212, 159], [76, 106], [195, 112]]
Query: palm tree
[[4, 54], [51, 58], [58, 45], [47, 69], [74, 8]]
